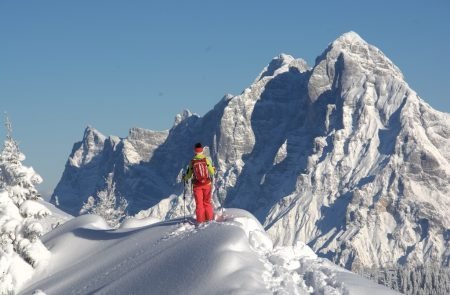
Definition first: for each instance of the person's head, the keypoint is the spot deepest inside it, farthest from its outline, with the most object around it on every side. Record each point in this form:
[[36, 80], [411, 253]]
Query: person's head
[[198, 148]]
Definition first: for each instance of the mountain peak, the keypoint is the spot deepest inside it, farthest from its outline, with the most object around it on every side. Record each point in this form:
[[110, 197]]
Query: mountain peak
[[350, 37], [92, 133], [284, 58], [282, 63], [182, 116], [350, 55], [352, 47]]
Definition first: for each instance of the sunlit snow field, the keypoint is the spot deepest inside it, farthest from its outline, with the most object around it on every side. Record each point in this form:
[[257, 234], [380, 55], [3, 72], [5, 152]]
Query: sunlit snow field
[[233, 255]]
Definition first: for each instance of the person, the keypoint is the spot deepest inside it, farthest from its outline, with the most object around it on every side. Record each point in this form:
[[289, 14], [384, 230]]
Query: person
[[201, 170]]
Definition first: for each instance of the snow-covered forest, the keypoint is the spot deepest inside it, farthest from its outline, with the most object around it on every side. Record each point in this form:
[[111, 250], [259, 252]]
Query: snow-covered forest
[[421, 279]]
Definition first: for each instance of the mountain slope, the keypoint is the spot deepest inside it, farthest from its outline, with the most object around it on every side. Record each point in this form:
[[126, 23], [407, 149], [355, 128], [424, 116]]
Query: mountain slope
[[96, 156], [378, 176], [344, 156]]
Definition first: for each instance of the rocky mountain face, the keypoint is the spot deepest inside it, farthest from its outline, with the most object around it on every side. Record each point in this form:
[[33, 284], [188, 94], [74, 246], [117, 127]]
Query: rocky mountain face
[[344, 156]]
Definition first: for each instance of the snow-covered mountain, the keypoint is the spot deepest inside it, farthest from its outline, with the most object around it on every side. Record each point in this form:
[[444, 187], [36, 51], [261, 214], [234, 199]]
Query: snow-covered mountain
[[344, 156]]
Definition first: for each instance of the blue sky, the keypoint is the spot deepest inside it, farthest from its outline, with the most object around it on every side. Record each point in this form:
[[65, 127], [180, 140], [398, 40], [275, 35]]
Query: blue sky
[[120, 64]]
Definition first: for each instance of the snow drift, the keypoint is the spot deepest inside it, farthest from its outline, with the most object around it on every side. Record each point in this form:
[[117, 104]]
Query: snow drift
[[234, 256]]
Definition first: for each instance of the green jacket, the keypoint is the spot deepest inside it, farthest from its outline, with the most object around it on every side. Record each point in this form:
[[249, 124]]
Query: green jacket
[[211, 168]]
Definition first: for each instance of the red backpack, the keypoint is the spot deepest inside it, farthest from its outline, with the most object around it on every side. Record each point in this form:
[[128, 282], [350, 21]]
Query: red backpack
[[200, 171]]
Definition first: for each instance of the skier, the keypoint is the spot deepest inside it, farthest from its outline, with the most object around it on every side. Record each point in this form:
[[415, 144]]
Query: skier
[[202, 171]]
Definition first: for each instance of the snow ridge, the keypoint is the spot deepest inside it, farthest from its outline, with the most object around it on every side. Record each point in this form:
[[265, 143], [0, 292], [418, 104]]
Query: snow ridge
[[236, 257]]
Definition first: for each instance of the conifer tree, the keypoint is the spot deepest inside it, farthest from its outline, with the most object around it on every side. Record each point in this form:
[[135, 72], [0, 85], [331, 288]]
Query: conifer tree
[[20, 246], [15, 178], [107, 204]]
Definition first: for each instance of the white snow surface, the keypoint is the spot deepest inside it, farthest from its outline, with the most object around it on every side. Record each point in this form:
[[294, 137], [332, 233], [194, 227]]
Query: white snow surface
[[50, 221], [230, 256], [32, 218]]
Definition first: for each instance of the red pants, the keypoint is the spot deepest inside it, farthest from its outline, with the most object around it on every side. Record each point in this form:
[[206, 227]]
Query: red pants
[[204, 208]]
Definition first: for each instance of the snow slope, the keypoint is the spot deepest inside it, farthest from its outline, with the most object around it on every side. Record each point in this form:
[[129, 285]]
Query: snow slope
[[21, 250], [234, 256]]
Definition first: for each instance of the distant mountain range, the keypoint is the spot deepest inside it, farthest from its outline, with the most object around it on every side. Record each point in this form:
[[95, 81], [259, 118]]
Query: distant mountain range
[[344, 156]]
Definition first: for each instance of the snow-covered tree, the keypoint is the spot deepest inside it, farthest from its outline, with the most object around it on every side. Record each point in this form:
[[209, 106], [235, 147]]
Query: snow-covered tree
[[20, 247], [17, 179], [107, 204], [430, 278]]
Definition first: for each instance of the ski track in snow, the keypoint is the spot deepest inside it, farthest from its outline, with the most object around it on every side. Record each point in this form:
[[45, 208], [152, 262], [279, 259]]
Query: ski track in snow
[[139, 258], [237, 257], [283, 275]]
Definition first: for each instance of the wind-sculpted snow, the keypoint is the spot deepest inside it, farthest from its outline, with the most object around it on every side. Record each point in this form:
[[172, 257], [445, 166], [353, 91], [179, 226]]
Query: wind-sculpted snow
[[233, 256], [343, 156]]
